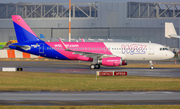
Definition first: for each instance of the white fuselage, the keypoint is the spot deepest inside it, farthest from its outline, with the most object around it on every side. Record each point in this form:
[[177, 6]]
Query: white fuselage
[[139, 51]]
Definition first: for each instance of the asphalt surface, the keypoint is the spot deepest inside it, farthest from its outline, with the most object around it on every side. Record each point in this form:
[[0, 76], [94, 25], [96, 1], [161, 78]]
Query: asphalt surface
[[76, 67], [89, 98]]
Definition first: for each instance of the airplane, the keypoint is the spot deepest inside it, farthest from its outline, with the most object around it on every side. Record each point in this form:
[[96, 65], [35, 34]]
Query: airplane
[[99, 53], [170, 31]]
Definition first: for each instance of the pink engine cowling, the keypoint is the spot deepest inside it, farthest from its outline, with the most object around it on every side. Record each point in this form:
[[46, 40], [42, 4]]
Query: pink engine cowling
[[112, 61]]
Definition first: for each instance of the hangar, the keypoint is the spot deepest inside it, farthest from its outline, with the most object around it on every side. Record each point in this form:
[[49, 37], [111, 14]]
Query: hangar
[[133, 21]]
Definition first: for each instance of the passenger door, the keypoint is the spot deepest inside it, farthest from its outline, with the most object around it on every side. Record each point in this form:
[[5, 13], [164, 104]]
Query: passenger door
[[151, 49], [41, 48]]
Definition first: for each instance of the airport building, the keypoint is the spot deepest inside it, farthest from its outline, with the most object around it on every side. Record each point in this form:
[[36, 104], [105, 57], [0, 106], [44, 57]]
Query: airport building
[[133, 21]]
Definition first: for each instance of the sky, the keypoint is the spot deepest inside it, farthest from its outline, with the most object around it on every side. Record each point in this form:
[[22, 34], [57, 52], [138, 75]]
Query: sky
[[86, 1]]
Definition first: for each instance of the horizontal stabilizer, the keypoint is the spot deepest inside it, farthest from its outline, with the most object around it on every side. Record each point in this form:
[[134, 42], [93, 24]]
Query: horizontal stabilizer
[[25, 47]]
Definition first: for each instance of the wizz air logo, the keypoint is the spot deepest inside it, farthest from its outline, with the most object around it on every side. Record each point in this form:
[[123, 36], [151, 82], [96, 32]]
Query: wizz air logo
[[35, 46], [134, 49]]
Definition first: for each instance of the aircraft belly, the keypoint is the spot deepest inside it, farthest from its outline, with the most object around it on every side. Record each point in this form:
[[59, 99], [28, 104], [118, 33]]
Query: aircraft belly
[[53, 54], [69, 55]]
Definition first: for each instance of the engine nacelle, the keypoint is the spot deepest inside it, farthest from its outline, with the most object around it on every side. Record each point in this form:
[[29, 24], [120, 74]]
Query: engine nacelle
[[112, 61]]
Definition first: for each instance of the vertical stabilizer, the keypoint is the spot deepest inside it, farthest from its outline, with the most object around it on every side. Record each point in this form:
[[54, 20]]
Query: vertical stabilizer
[[169, 29], [22, 30]]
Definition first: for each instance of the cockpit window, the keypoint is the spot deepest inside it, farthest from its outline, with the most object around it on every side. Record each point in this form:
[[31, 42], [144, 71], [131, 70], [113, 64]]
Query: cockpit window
[[161, 49]]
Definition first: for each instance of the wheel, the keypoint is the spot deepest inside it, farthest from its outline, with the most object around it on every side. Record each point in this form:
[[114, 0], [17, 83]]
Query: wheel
[[151, 67], [92, 66], [97, 66]]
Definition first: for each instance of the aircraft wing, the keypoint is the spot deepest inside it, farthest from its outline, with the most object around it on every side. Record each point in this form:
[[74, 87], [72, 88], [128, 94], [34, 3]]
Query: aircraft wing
[[88, 54]]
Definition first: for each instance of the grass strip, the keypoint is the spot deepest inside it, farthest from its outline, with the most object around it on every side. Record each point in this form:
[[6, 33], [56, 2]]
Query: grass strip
[[96, 107], [34, 81]]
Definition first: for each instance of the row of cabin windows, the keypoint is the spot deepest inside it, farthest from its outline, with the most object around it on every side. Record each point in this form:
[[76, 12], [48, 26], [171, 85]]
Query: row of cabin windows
[[80, 48], [100, 48], [129, 48]]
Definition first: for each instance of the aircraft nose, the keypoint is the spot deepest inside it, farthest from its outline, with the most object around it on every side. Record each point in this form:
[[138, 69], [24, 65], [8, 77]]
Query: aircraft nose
[[170, 54]]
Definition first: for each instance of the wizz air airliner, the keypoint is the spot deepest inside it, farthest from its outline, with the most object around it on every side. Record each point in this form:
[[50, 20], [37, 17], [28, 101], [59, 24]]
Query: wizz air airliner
[[100, 53]]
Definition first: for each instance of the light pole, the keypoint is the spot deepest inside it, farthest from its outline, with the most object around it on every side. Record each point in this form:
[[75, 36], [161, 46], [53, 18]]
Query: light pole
[[69, 20]]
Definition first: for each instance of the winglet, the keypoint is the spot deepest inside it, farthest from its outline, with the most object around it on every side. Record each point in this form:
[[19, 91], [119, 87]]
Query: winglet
[[82, 40], [63, 45]]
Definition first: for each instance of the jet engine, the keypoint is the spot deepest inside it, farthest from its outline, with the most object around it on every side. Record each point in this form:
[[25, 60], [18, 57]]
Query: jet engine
[[112, 61]]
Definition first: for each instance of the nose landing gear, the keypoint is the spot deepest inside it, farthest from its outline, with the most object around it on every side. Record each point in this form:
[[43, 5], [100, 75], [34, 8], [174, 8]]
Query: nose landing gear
[[151, 65]]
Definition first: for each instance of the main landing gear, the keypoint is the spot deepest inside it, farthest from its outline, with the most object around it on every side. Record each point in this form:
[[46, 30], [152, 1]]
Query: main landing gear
[[94, 66], [151, 65]]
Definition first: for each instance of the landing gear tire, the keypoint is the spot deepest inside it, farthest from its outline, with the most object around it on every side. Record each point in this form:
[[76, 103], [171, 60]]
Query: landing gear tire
[[151, 67], [97, 66], [92, 66]]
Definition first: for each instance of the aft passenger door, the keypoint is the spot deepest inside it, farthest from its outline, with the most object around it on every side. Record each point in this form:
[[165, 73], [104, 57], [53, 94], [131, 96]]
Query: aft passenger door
[[41, 48]]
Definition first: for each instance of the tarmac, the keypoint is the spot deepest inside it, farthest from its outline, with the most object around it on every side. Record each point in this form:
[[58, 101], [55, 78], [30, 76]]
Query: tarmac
[[90, 98], [76, 67]]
